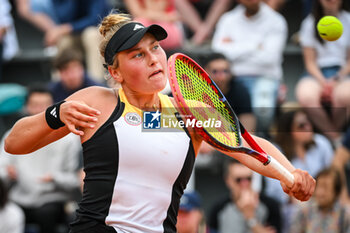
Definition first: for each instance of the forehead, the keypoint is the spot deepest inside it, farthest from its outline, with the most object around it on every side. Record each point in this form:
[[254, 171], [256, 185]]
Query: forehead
[[146, 40], [331, 1], [249, 2], [218, 63], [325, 179], [237, 169], [39, 95], [300, 116]]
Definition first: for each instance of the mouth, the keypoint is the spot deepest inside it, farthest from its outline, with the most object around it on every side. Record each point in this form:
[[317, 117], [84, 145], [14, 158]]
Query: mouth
[[156, 73]]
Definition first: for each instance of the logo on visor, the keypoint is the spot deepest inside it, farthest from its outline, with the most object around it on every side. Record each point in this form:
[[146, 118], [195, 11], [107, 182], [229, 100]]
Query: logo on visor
[[137, 26]]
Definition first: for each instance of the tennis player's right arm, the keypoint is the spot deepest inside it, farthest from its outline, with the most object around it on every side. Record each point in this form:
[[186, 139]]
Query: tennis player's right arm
[[32, 133]]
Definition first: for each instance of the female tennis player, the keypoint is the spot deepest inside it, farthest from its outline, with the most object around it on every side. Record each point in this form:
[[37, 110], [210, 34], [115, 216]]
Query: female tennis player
[[134, 179]]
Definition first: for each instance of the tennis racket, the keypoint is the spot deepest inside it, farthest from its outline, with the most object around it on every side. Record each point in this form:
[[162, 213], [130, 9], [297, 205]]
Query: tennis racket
[[199, 99]]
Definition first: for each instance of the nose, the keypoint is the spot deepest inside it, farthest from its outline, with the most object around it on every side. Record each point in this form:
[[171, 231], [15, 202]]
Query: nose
[[153, 59]]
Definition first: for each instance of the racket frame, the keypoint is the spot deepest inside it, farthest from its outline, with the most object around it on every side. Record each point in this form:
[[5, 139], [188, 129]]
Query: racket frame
[[255, 151]]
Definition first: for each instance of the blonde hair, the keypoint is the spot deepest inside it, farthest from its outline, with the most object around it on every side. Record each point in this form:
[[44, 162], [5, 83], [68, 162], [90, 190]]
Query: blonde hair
[[110, 25]]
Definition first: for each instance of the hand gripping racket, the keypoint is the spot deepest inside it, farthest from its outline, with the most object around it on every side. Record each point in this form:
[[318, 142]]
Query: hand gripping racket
[[199, 99]]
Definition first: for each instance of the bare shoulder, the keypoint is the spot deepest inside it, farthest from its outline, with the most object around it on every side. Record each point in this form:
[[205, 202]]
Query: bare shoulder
[[89, 93], [94, 95], [100, 98]]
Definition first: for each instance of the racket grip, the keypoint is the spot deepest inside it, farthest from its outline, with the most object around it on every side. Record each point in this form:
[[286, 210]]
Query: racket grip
[[281, 172]]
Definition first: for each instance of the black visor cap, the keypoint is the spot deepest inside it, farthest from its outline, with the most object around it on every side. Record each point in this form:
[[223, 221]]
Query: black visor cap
[[128, 36]]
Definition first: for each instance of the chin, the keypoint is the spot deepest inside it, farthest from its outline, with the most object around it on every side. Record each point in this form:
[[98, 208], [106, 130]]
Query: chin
[[161, 85]]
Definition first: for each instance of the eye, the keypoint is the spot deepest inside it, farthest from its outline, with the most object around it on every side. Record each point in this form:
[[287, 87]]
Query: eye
[[156, 47], [137, 55]]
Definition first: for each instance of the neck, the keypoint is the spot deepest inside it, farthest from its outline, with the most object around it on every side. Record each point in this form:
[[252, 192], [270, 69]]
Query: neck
[[225, 88], [234, 197], [249, 12], [326, 209], [331, 12], [146, 102], [300, 150]]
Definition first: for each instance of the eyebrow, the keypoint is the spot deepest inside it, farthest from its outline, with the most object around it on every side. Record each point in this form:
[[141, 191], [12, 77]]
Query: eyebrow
[[139, 48]]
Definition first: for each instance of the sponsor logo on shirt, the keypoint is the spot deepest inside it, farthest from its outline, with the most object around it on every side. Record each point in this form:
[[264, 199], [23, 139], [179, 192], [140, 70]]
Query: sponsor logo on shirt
[[132, 118]]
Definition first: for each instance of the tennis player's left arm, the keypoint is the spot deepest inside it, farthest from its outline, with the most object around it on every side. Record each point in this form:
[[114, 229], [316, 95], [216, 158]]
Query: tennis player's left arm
[[304, 183], [273, 151]]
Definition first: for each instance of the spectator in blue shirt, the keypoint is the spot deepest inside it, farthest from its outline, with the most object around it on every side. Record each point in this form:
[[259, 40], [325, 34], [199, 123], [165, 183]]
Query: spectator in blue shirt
[[72, 75], [68, 23], [306, 149]]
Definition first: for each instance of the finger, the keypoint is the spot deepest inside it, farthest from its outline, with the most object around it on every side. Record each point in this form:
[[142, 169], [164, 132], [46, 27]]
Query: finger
[[73, 129], [285, 188], [298, 181], [312, 185], [307, 187], [83, 124], [83, 117], [83, 108], [309, 184]]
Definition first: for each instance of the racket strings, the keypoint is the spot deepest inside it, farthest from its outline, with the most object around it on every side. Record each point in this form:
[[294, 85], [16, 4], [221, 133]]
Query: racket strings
[[204, 103]]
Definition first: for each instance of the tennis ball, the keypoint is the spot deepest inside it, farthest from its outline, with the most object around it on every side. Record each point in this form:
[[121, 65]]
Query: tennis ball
[[329, 28]]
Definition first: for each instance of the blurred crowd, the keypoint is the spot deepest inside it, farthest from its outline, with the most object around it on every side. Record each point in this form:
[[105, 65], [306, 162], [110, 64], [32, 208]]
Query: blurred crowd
[[241, 44]]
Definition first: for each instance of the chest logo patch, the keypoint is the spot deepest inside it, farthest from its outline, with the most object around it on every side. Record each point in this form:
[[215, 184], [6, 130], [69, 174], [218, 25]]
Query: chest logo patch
[[132, 118]]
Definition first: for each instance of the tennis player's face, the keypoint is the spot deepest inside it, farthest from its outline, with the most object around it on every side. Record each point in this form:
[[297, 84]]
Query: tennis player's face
[[142, 69]]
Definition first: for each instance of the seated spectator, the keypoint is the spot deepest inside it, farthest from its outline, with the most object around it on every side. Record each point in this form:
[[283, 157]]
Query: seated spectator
[[69, 24], [324, 91], [253, 36], [42, 182], [190, 218], [305, 149], [323, 213], [244, 210], [72, 75], [218, 67], [8, 38], [200, 17], [163, 13], [12, 217]]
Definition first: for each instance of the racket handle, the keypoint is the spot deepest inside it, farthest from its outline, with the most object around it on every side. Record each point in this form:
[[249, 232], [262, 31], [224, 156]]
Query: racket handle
[[281, 172]]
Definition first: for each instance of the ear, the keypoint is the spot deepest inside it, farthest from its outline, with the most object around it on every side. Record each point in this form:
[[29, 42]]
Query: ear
[[228, 181], [115, 73]]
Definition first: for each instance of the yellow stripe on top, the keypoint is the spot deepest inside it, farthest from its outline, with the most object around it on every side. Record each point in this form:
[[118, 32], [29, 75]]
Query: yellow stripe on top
[[168, 110], [128, 106]]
